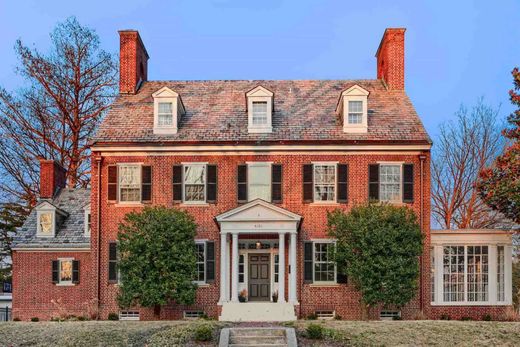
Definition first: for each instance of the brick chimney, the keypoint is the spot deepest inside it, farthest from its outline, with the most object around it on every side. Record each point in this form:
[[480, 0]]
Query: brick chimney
[[390, 58], [52, 178], [133, 62]]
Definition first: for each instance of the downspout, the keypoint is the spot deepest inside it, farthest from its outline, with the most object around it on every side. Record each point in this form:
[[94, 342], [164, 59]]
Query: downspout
[[99, 160], [422, 158]]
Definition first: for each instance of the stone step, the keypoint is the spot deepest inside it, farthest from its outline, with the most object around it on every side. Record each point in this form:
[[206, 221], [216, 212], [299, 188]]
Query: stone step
[[257, 345], [258, 337], [257, 332], [255, 340], [257, 312]]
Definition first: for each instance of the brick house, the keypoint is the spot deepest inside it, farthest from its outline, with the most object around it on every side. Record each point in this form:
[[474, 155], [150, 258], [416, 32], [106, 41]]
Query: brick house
[[258, 164]]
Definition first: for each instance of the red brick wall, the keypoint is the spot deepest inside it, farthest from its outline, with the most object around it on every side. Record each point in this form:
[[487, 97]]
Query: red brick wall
[[52, 177], [34, 291], [473, 312], [133, 61], [390, 58]]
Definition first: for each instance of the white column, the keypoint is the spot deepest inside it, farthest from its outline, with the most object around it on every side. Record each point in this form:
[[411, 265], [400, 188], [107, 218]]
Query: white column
[[292, 264], [228, 262], [439, 276], [223, 269], [508, 268], [492, 274], [234, 266], [281, 268]]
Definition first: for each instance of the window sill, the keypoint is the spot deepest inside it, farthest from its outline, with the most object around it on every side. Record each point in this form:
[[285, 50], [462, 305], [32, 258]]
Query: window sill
[[202, 285], [332, 285], [129, 204], [194, 204], [324, 204], [65, 284], [466, 303]]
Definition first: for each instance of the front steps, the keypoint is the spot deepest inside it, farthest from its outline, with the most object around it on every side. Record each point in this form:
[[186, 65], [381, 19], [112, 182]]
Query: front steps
[[257, 337], [257, 312]]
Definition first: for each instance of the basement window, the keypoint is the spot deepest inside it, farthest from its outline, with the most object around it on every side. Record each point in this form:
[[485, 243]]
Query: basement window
[[390, 315], [193, 314], [325, 314], [129, 315]]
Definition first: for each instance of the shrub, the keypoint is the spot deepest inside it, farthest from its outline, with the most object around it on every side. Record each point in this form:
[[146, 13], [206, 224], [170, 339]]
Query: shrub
[[312, 316], [82, 318], [445, 316], [397, 318], [35, 319], [204, 333], [466, 318], [315, 332], [338, 317], [487, 318], [16, 319], [113, 316], [510, 315]]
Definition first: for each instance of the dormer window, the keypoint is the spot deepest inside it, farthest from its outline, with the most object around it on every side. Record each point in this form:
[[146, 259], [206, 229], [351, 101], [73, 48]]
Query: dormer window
[[88, 221], [48, 216], [46, 224], [352, 108], [168, 110], [260, 110]]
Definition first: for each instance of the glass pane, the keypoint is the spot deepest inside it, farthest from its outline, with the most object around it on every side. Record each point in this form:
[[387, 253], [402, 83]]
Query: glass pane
[[65, 270], [194, 174], [324, 182], [355, 106], [46, 223], [259, 112], [259, 182], [390, 182]]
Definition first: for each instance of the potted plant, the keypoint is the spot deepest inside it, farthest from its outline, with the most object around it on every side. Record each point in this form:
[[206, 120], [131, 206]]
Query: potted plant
[[275, 296], [242, 297]]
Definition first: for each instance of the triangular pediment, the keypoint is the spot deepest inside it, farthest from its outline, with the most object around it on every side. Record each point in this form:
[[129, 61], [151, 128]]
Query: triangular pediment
[[259, 91], [258, 210], [48, 206], [165, 92]]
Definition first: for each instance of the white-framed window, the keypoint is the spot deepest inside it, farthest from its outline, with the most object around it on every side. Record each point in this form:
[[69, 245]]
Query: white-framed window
[[241, 269], [165, 114], [260, 110], [477, 273], [88, 221], [353, 108], [168, 108], [276, 267], [201, 262], [390, 182], [432, 274], [324, 182], [46, 223], [453, 273], [325, 314], [324, 266], [65, 271], [129, 315], [259, 181], [389, 315], [193, 314], [194, 183], [129, 183], [355, 112], [501, 274]]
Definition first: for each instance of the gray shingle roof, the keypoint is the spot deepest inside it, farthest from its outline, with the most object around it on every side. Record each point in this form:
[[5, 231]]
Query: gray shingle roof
[[71, 232], [304, 110]]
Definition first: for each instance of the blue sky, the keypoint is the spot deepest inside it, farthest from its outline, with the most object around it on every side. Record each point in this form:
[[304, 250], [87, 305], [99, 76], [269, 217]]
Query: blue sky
[[456, 51]]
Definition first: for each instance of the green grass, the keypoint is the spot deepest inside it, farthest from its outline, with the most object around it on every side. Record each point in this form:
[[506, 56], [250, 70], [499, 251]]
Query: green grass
[[106, 333]]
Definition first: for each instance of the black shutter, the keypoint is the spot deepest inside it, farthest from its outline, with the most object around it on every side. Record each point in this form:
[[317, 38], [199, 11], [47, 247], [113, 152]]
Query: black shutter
[[112, 183], [112, 262], [307, 262], [408, 183], [177, 183], [373, 182], [342, 185], [276, 183], [341, 278], [55, 271], [146, 184], [75, 271], [242, 183], [211, 184], [307, 182], [210, 262]]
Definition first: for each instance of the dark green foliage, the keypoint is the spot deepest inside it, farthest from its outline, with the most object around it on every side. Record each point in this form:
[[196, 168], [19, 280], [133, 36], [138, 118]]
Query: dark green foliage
[[466, 318], [35, 319], [487, 318], [12, 216], [157, 258], [378, 247], [203, 333], [312, 316], [314, 332], [113, 316], [16, 319], [445, 317]]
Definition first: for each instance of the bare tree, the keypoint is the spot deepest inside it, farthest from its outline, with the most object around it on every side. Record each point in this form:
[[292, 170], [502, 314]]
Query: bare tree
[[68, 92], [463, 148]]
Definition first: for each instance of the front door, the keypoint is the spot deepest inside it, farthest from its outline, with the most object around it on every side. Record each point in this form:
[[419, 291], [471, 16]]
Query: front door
[[259, 279]]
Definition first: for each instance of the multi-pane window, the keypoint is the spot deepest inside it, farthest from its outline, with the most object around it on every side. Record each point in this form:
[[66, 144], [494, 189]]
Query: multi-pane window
[[65, 271], [259, 112], [201, 261], [241, 267], [195, 183], [324, 182], [500, 274], [165, 114], [355, 112], [432, 274], [259, 181], [130, 183], [390, 182], [477, 273], [46, 223], [324, 266], [453, 273], [88, 223], [276, 267]]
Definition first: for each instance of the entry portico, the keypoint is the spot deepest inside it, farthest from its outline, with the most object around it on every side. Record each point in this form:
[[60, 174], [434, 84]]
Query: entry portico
[[262, 219]]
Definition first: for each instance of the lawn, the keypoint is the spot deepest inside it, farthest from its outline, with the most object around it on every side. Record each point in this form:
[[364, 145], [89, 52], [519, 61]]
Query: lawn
[[337, 333]]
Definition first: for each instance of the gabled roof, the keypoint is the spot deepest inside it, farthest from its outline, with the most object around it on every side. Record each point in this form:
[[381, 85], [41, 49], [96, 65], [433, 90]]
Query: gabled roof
[[304, 112], [45, 204], [258, 209]]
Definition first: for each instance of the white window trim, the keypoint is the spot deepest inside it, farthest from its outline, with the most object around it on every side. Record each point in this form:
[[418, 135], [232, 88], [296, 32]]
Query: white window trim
[[314, 281], [203, 242], [86, 216], [354, 93], [325, 163], [44, 210], [126, 315], [65, 283], [195, 203], [167, 95], [492, 275], [392, 163], [136, 202], [260, 94], [259, 164]]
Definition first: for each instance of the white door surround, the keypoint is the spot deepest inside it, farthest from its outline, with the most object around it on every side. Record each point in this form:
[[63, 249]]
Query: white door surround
[[257, 217]]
